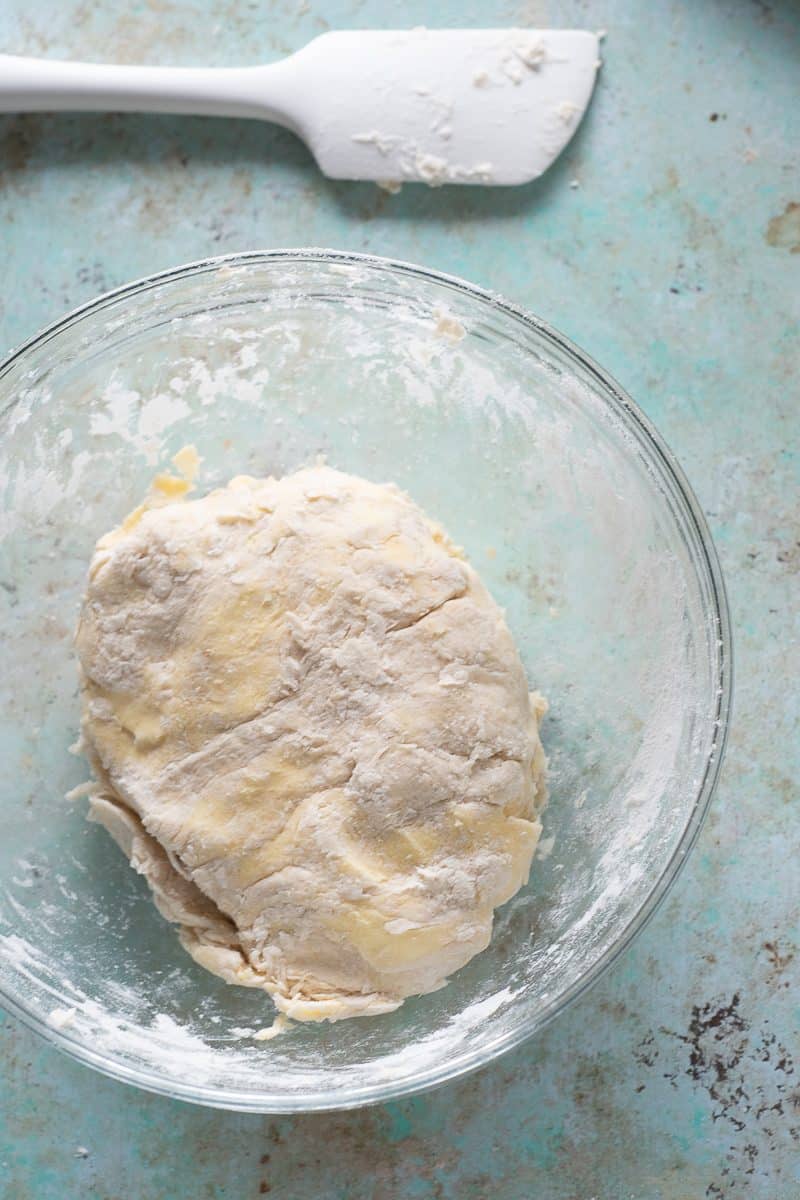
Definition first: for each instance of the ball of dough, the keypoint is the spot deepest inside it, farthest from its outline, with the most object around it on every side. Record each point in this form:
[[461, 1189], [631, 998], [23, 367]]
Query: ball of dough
[[311, 731]]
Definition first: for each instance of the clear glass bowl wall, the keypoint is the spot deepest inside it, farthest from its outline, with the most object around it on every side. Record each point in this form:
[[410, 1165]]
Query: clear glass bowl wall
[[565, 500]]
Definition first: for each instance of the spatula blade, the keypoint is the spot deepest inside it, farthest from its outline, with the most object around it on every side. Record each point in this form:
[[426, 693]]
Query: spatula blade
[[491, 106]]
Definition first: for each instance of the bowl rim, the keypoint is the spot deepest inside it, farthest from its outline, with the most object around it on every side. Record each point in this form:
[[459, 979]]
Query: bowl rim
[[706, 562]]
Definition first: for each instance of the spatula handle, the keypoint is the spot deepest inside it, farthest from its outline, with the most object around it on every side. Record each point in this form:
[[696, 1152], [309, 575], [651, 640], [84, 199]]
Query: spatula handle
[[44, 85]]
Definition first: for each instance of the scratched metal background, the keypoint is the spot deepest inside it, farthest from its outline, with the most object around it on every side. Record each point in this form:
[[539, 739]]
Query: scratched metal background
[[675, 261]]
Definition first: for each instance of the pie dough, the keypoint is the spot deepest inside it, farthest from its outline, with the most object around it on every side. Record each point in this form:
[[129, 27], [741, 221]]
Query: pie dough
[[311, 732]]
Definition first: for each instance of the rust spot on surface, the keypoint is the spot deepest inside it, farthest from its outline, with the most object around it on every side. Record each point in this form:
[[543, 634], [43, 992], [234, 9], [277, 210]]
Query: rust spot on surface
[[749, 1077], [766, 15], [646, 1052], [781, 785], [275, 1136], [783, 231], [778, 959], [670, 183], [18, 144], [789, 556], [16, 150]]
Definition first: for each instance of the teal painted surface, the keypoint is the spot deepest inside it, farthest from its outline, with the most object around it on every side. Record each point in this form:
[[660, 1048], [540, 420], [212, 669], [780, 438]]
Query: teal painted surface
[[671, 262]]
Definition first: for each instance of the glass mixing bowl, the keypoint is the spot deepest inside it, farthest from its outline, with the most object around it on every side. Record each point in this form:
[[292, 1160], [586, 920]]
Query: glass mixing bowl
[[565, 499]]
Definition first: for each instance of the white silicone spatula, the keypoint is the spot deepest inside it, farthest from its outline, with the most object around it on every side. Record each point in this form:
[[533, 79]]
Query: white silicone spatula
[[492, 106]]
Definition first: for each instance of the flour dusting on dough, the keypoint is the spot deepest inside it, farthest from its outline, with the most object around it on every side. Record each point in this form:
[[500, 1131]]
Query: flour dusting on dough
[[311, 733]]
